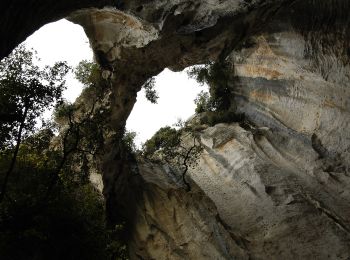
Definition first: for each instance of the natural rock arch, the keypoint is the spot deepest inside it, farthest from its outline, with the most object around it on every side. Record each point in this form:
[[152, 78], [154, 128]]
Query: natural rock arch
[[287, 175]]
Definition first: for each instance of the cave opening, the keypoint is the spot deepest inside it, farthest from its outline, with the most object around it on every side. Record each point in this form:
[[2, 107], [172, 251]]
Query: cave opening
[[272, 186], [66, 41]]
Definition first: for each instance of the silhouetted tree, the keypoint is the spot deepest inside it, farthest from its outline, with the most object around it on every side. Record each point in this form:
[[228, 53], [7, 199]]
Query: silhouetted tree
[[26, 92]]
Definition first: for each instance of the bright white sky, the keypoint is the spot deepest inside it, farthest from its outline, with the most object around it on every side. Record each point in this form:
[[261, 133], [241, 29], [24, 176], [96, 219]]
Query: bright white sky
[[65, 41]]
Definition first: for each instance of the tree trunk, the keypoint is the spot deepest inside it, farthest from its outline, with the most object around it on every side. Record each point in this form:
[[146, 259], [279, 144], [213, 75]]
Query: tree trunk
[[14, 157]]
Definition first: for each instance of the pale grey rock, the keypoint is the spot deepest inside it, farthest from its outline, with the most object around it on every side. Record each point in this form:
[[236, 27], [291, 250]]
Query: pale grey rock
[[279, 180], [268, 192], [283, 180], [171, 223], [275, 186], [116, 30]]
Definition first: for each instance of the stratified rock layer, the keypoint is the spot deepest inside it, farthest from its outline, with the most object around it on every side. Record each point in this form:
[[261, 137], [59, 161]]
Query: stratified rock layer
[[279, 180]]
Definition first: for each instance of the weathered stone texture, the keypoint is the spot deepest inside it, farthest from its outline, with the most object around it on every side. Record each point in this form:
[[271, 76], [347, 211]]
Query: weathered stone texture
[[171, 223], [279, 181]]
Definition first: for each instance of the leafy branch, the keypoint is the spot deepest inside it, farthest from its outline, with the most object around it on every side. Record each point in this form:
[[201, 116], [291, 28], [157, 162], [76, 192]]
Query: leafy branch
[[178, 148]]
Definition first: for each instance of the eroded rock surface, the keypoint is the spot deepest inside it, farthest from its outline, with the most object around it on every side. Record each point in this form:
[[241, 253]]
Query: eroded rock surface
[[280, 179], [274, 195], [171, 223]]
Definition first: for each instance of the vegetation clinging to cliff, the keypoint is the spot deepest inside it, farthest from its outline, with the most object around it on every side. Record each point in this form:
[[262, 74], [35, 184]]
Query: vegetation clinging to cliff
[[179, 148], [215, 106], [217, 76]]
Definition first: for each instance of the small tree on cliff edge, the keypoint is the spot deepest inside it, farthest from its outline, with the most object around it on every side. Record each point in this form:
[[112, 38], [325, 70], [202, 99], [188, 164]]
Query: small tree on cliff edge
[[178, 148]]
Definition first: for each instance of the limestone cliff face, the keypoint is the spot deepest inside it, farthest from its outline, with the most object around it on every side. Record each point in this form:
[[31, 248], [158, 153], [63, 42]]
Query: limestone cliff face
[[275, 186], [274, 194], [171, 223], [281, 178], [279, 181]]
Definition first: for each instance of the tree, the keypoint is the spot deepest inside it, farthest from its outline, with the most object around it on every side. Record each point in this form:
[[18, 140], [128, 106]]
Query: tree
[[150, 92], [129, 141], [70, 224], [26, 92], [203, 103], [178, 148], [87, 73], [217, 105], [83, 125], [83, 130], [51, 210], [217, 76]]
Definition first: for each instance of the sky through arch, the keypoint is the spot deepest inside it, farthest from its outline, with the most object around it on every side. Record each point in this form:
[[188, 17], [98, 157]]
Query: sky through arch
[[65, 41]]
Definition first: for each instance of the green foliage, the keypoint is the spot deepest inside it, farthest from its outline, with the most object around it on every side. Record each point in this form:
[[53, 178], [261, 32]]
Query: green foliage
[[203, 103], [83, 131], [164, 142], [50, 209], [116, 248], [69, 224], [84, 124], [87, 72], [215, 106], [151, 93], [129, 141], [26, 91], [178, 148], [84, 127], [200, 73], [217, 76]]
